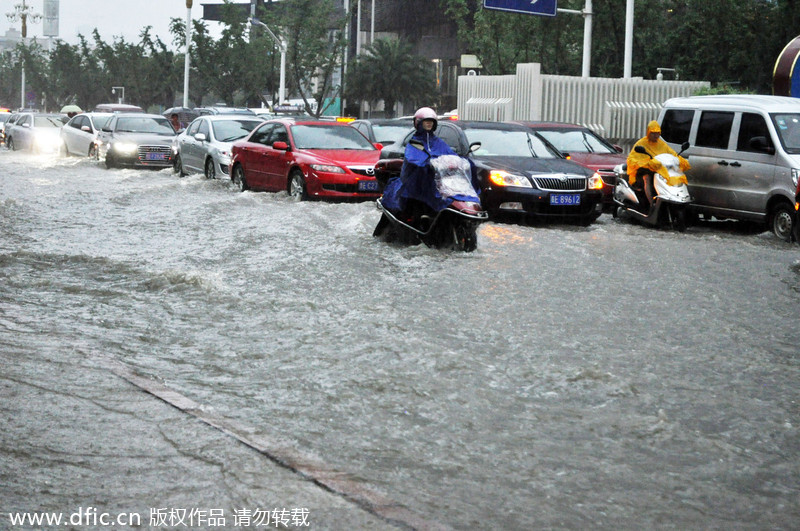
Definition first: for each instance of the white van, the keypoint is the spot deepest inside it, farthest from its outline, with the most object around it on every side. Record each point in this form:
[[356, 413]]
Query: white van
[[745, 155]]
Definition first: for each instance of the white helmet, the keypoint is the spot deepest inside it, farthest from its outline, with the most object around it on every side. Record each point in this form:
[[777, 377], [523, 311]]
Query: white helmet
[[425, 113]]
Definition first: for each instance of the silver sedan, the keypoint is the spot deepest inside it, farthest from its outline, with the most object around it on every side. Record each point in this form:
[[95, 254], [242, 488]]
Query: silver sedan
[[80, 135], [205, 146]]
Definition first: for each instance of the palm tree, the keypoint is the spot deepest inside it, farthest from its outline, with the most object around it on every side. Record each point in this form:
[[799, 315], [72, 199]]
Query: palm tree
[[388, 70]]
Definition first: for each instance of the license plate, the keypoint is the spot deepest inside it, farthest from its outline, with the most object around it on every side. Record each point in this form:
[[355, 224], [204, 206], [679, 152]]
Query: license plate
[[155, 156], [367, 186], [565, 199]]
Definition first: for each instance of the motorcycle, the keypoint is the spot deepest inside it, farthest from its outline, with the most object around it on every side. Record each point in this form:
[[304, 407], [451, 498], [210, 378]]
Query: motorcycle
[[452, 224], [672, 196]]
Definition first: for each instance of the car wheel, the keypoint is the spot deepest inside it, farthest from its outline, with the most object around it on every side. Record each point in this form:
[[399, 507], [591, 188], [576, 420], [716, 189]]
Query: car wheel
[[110, 161], [781, 221], [239, 179], [210, 173], [297, 186], [93, 152], [178, 166]]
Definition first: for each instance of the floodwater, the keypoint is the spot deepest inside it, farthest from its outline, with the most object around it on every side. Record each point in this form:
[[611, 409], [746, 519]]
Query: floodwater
[[559, 377]]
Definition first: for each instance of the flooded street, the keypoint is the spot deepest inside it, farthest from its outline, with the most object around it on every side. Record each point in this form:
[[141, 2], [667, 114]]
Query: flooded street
[[560, 377]]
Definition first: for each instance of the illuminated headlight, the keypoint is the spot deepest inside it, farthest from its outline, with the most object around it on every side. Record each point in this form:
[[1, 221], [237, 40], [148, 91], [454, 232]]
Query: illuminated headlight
[[124, 147], [47, 143], [327, 168], [595, 182], [504, 178], [795, 175]]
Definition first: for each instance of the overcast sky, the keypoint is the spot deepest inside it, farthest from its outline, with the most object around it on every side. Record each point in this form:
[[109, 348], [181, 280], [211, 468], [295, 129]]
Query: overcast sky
[[124, 18]]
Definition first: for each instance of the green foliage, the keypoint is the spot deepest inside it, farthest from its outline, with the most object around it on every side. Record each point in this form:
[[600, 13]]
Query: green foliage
[[389, 71]]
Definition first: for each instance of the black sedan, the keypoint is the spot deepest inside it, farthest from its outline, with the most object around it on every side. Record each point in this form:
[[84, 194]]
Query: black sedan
[[520, 172], [133, 139]]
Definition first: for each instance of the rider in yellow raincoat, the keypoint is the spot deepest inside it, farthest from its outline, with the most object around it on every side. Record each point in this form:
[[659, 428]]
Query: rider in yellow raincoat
[[641, 165]]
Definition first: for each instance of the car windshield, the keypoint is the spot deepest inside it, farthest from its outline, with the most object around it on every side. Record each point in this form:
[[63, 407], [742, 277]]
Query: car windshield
[[329, 137], [788, 127], [386, 133], [47, 121], [576, 141], [230, 130], [100, 121], [503, 143], [144, 124]]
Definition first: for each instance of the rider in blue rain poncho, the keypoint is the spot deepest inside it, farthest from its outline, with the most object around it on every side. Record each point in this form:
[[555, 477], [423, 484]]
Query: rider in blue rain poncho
[[416, 180]]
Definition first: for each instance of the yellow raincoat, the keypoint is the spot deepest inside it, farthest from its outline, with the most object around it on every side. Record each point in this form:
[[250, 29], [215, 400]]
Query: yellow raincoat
[[640, 160]]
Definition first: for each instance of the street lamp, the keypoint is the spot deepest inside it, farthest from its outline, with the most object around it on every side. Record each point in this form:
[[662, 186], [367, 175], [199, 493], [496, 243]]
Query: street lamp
[[186, 59], [122, 94], [23, 12], [282, 47]]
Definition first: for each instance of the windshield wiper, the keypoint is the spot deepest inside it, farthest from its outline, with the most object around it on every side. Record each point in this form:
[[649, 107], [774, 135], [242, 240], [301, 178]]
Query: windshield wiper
[[586, 143], [530, 148]]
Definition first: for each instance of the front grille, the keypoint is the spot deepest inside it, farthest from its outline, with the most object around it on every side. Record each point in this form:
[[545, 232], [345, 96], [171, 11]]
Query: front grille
[[561, 184], [363, 170], [144, 150]]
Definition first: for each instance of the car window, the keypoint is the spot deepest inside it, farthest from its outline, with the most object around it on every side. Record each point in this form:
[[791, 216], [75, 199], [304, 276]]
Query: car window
[[77, 122], [100, 121], [788, 128], [204, 129], [752, 125], [231, 130], [47, 121], [329, 137], [386, 134], [262, 134], [451, 137], [576, 141], [24, 120], [715, 129], [500, 143], [676, 125], [144, 124], [193, 127]]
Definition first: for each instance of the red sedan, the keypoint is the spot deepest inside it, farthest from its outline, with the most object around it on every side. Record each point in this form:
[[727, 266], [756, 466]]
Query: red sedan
[[308, 159]]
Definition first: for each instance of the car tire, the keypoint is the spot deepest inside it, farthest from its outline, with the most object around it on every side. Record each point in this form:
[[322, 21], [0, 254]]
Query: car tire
[[239, 179], [781, 220], [297, 186], [110, 163], [178, 168], [210, 172]]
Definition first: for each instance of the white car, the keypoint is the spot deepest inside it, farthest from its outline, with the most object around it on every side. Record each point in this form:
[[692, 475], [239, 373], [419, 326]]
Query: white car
[[205, 146], [35, 132], [80, 134]]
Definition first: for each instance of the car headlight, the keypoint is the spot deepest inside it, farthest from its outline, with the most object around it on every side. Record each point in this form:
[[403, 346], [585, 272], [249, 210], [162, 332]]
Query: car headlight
[[327, 168], [504, 178], [595, 182], [125, 147], [795, 176]]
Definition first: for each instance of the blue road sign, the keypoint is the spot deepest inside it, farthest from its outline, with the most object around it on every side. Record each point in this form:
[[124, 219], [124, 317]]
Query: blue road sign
[[532, 7]]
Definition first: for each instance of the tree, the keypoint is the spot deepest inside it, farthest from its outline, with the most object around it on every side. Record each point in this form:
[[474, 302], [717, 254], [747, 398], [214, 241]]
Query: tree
[[389, 71]]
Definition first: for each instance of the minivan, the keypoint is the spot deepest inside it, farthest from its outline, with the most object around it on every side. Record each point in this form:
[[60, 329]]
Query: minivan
[[745, 155]]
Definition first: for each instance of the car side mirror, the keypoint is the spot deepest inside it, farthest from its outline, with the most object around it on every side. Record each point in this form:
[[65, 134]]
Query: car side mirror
[[86, 129], [200, 137], [759, 143], [106, 130], [640, 149], [617, 148], [281, 145], [26, 124], [417, 144], [378, 146], [475, 146]]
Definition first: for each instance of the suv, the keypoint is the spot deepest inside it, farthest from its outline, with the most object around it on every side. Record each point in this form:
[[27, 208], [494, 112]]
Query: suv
[[519, 171], [745, 155]]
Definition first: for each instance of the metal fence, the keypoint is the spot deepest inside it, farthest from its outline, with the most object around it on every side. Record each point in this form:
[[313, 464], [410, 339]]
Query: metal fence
[[617, 109]]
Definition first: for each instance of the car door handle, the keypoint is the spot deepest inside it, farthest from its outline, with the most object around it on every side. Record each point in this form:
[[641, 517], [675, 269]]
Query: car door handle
[[736, 164], [723, 162]]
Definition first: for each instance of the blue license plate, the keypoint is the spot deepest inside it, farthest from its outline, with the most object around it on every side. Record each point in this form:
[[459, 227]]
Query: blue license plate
[[565, 199], [155, 156], [367, 186]]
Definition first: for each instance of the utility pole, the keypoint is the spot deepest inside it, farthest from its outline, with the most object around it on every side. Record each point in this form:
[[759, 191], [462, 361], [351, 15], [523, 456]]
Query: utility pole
[[23, 12], [187, 59]]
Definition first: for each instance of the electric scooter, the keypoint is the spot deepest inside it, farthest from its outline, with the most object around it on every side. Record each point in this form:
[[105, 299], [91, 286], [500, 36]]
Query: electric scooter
[[669, 206]]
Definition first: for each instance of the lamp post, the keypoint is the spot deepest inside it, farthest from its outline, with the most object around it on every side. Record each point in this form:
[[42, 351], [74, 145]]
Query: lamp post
[[122, 94], [282, 47], [23, 12], [187, 59]]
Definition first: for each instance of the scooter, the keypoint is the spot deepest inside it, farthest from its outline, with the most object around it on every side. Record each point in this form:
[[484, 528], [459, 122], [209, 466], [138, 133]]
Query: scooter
[[452, 227], [668, 207]]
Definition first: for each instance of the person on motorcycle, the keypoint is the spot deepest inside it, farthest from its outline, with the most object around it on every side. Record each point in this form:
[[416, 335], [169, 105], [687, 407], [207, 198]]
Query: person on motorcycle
[[642, 166], [416, 180]]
